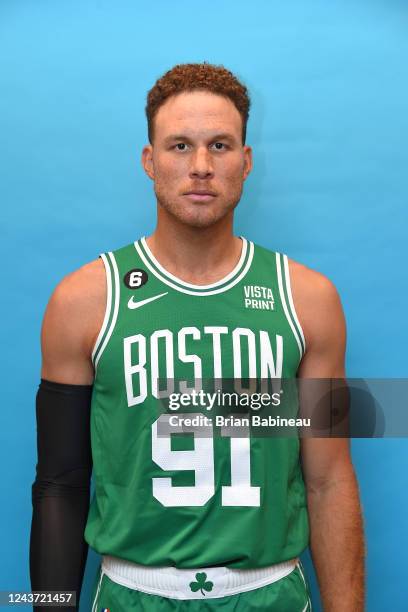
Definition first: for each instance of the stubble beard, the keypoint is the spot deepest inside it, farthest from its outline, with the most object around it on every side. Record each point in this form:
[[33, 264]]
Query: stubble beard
[[198, 215]]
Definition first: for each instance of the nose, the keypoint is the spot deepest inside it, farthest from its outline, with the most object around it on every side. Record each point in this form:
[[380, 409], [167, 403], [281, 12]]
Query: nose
[[201, 164]]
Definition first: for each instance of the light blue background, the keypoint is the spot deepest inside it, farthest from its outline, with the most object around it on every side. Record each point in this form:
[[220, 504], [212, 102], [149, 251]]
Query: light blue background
[[329, 127]]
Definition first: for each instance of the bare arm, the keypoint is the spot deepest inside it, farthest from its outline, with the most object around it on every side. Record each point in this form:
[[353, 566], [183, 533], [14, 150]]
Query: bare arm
[[336, 530]]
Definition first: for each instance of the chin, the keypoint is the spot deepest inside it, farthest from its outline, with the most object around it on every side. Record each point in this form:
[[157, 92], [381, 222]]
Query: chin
[[197, 215], [200, 220], [200, 223]]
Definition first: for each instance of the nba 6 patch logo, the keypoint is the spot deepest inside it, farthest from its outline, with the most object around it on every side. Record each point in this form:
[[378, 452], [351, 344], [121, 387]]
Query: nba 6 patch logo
[[105, 609], [259, 298], [136, 278]]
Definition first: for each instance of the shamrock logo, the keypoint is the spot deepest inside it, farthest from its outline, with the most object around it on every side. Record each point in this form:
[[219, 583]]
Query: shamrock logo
[[201, 583]]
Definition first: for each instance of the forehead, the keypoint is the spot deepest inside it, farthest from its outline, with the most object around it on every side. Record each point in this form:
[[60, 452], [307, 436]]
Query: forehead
[[198, 110]]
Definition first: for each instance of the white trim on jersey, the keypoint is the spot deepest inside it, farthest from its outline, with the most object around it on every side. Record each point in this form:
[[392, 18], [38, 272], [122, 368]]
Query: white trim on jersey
[[308, 605], [94, 609], [285, 307], [166, 281], [116, 285], [107, 307], [190, 285], [291, 303]]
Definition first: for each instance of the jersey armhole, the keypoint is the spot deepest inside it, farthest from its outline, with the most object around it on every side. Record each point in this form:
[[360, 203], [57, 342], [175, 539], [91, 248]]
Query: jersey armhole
[[288, 305], [111, 309]]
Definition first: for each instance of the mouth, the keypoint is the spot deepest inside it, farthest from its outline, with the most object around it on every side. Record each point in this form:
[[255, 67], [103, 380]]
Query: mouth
[[200, 195]]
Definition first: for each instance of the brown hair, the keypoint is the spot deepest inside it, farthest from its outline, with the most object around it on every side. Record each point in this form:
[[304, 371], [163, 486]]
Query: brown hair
[[192, 77]]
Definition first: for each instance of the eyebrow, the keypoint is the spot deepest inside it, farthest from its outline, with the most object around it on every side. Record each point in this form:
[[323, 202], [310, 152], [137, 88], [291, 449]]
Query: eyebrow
[[185, 137]]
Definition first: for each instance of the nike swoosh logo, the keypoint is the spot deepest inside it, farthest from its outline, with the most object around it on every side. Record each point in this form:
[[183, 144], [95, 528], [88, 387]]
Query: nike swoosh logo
[[132, 304]]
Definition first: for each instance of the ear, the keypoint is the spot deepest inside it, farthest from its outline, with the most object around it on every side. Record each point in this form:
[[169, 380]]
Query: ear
[[147, 161], [248, 162]]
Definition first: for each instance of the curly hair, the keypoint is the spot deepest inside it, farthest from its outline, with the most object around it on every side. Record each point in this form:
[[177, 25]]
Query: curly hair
[[193, 77]]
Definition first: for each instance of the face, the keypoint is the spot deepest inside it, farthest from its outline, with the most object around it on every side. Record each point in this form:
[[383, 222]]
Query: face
[[197, 161]]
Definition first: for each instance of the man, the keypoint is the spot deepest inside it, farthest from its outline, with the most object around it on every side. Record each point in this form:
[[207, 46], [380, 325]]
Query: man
[[207, 522]]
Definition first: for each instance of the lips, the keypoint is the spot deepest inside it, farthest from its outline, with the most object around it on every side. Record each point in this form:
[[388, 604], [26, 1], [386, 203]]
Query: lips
[[200, 192], [200, 195]]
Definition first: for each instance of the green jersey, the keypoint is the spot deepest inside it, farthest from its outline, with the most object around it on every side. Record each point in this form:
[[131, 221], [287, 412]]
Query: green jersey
[[168, 499]]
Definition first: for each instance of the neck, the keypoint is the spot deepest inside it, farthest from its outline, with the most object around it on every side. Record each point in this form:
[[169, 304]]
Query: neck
[[196, 255]]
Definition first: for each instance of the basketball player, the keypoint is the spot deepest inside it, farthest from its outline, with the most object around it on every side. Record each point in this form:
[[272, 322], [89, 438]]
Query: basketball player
[[200, 522]]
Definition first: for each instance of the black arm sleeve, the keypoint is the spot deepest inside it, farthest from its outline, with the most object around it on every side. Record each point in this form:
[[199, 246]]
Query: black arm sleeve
[[61, 491]]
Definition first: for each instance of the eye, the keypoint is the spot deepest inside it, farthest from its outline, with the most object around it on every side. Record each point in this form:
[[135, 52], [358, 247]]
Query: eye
[[219, 146], [181, 146]]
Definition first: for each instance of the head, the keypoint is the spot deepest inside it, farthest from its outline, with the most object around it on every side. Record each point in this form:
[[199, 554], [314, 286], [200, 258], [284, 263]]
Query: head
[[197, 156]]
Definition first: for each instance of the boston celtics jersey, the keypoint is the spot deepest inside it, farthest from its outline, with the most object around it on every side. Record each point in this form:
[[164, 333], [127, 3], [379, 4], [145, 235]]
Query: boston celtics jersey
[[181, 497]]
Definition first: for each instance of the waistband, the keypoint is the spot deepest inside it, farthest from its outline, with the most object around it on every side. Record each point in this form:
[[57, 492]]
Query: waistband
[[198, 583]]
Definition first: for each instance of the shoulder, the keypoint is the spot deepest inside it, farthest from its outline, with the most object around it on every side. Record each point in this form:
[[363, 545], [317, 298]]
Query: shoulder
[[310, 284], [80, 290], [317, 302], [75, 311]]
